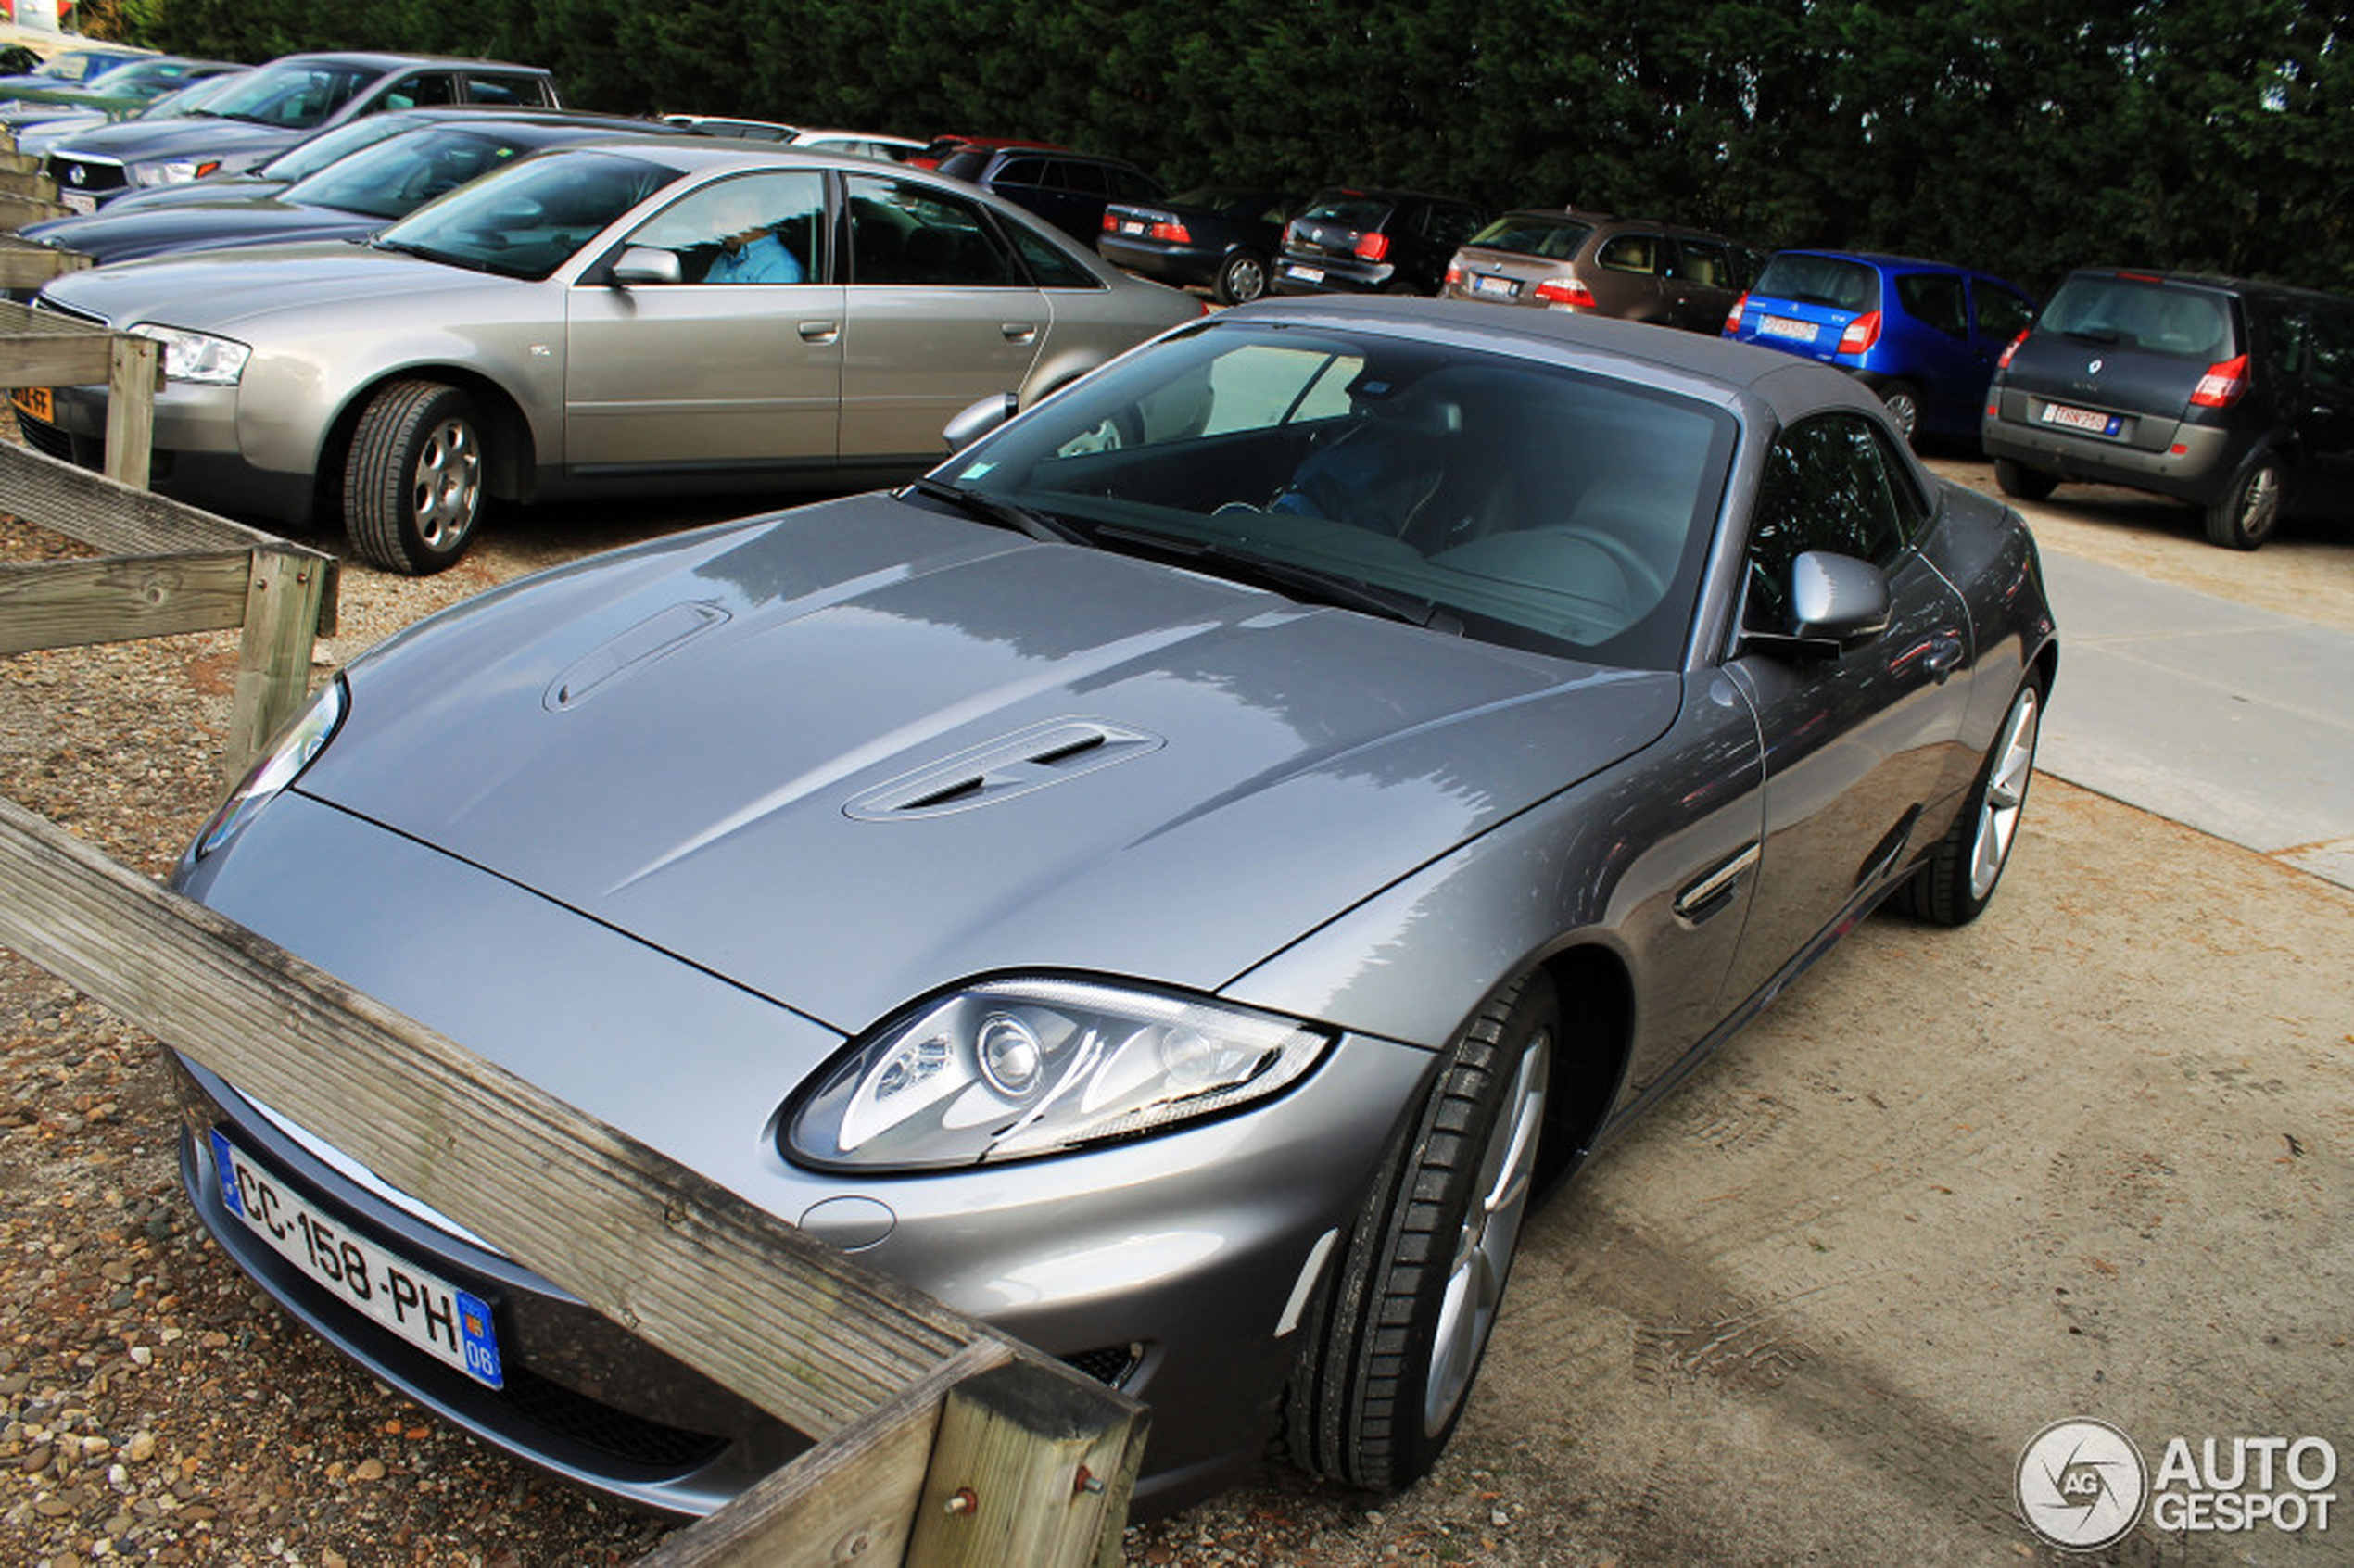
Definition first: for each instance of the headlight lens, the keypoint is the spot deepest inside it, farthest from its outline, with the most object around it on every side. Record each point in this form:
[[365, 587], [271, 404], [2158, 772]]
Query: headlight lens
[[172, 172], [197, 356], [281, 763], [1016, 1068]]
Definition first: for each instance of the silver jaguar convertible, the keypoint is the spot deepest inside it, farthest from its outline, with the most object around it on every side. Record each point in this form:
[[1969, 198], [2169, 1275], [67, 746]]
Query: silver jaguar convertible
[[1175, 881]]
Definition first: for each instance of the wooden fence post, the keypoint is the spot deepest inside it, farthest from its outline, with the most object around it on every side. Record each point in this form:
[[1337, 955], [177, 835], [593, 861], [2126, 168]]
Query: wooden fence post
[[282, 600], [135, 373]]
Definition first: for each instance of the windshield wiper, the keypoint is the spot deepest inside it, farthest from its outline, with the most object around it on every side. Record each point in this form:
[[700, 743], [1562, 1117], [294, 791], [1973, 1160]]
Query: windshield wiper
[[1001, 513], [1313, 584]]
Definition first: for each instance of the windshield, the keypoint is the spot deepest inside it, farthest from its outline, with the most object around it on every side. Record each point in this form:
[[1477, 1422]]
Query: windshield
[[78, 65], [531, 217], [1516, 501], [399, 176], [315, 152], [1820, 280], [294, 94], [2158, 318], [1534, 233], [184, 100]]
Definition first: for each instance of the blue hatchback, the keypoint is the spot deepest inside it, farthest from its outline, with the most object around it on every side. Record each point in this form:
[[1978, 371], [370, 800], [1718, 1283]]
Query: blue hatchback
[[1922, 334]]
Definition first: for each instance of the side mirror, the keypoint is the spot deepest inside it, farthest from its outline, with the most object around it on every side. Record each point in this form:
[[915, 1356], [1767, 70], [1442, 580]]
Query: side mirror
[[978, 420], [645, 264], [1837, 600]]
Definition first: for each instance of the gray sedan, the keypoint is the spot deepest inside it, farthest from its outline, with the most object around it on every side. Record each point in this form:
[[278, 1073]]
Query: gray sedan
[[1175, 881], [666, 316]]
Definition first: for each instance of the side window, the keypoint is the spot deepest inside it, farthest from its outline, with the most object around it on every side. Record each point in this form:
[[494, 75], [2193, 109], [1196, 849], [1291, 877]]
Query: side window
[[1934, 299], [753, 228], [1022, 171], [492, 87], [1084, 178], [1630, 253], [1049, 266], [1450, 226], [424, 90], [2001, 314], [1705, 264], [906, 233], [2333, 348], [1829, 484]]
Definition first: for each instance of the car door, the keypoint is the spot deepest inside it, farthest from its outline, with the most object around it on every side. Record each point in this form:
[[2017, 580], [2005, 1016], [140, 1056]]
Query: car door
[[1700, 287], [2324, 409], [938, 316], [1860, 745], [728, 368]]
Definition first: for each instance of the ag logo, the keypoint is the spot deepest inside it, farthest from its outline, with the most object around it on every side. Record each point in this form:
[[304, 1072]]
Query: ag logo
[[2081, 1485]]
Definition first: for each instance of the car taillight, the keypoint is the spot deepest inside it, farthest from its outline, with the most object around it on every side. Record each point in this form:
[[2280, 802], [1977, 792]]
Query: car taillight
[[1566, 291], [2223, 385], [1454, 273], [2005, 362], [1172, 231], [1373, 247], [1111, 219], [1733, 316], [1291, 233], [1861, 333]]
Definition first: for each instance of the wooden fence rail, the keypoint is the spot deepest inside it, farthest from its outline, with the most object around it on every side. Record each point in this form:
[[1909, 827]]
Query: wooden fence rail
[[168, 568], [941, 1441], [43, 348]]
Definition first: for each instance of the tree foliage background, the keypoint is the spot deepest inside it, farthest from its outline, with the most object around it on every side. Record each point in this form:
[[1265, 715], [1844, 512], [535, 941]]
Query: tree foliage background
[[2027, 137]]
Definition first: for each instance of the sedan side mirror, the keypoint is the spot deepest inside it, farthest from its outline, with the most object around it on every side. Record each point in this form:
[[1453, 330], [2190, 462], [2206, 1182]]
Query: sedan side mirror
[[646, 264], [978, 420], [1837, 599]]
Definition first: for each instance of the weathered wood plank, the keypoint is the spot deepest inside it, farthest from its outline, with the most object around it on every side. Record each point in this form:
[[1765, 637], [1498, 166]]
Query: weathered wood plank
[[29, 183], [728, 1288], [16, 211], [71, 604], [281, 611], [134, 369], [852, 1499], [115, 518], [22, 162], [53, 358], [1031, 1466], [24, 264]]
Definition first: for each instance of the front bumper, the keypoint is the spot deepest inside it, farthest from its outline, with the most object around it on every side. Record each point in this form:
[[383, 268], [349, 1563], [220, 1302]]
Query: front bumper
[[196, 455], [1170, 1266]]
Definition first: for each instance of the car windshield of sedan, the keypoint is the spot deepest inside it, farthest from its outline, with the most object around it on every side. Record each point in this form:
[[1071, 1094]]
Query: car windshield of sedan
[[296, 96], [395, 177], [1501, 498], [531, 217]]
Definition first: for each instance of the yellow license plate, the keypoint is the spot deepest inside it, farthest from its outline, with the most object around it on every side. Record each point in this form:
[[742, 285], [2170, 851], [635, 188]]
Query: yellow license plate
[[36, 401]]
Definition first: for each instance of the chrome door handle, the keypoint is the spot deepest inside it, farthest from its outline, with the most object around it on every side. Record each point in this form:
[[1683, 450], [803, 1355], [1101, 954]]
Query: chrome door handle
[[820, 331], [1019, 331]]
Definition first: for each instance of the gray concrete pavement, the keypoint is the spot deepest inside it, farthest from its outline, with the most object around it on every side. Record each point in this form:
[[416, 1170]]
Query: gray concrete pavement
[[2225, 718]]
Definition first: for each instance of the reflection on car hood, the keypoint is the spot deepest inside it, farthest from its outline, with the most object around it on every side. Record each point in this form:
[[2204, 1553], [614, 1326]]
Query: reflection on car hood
[[233, 141], [860, 750], [214, 291], [109, 236]]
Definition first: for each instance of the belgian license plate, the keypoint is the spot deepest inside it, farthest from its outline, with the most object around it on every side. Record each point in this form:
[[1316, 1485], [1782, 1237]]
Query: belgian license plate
[[78, 201], [1502, 288], [1782, 326], [449, 1324], [1306, 274], [2092, 420], [36, 401]]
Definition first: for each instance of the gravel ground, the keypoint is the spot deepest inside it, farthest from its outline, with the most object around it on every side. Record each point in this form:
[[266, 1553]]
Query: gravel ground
[[157, 1407]]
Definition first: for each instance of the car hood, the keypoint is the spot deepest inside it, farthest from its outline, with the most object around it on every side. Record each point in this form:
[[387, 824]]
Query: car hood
[[852, 752], [236, 142], [109, 236], [213, 291]]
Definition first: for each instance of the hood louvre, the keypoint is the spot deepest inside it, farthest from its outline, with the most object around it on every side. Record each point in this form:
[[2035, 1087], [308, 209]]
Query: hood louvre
[[1012, 765]]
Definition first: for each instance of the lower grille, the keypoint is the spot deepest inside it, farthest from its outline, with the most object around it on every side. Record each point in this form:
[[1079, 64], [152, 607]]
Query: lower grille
[[594, 1424], [50, 441], [1110, 1365]]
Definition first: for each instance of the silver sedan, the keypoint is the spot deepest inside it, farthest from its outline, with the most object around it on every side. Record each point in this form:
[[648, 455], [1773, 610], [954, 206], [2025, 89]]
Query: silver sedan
[[621, 319]]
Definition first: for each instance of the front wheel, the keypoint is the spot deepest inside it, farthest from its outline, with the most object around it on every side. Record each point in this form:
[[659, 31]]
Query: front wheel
[[2018, 480], [1395, 1338], [1954, 884], [1241, 279], [2250, 511], [412, 483]]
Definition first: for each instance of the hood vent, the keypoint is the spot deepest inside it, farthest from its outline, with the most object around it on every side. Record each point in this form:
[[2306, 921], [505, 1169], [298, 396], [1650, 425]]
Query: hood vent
[[649, 638], [1014, 765]]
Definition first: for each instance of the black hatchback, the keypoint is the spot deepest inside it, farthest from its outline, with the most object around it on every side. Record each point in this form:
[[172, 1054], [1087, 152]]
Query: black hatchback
[[2235, 396], [1353, 241]]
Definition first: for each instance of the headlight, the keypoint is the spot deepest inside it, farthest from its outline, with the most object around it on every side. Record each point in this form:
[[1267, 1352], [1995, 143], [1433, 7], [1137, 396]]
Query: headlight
[[281, 763], [197, 356], [1033, 1066], [172, 172]]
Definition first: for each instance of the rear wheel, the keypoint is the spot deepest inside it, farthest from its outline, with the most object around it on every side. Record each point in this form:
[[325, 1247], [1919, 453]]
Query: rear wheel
[[1957, 880], [2027, 484], [412, 483], [1242, 279], [2250, 511], [1903, 401], [1395, 1338]]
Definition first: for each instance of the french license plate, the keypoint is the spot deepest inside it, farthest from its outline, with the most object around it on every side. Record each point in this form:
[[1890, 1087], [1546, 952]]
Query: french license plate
[[2092, 420], [449, 1324], [78, 201], [36, 401], [1305, 274], [1782, 326], [1502, 288]]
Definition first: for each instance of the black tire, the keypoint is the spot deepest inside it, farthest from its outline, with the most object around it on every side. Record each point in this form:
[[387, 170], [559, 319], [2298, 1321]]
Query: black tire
[[1241, 278], [1384, 1368], [2027, 484], [412, 489], [1954, 884], [1903, 401], [2250, 511]]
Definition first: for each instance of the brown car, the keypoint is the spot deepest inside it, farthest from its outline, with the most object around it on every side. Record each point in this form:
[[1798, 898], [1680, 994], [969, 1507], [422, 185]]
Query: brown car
[[1626, 267]]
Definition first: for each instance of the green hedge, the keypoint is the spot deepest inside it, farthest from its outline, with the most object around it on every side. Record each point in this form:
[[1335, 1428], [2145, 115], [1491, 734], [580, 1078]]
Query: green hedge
[[2021, 136]]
